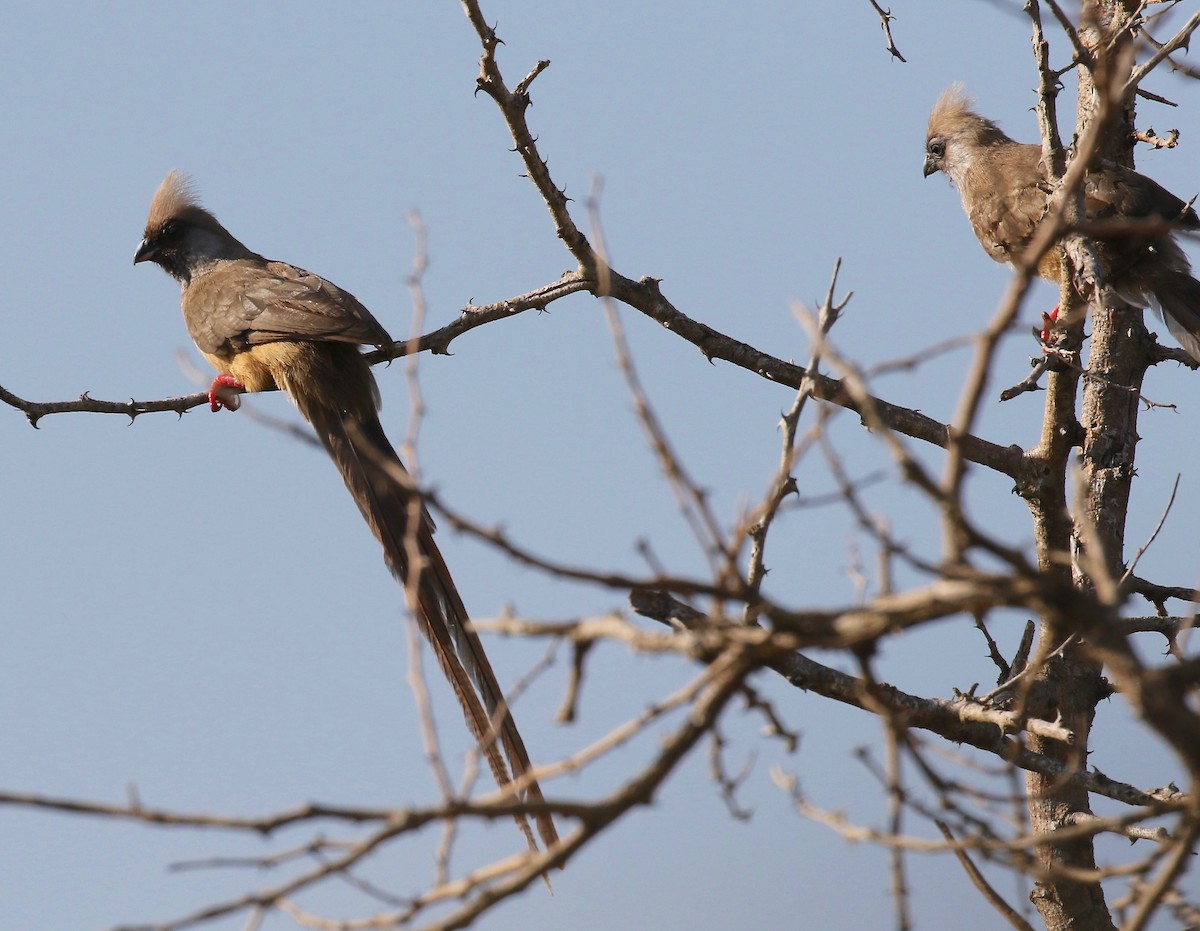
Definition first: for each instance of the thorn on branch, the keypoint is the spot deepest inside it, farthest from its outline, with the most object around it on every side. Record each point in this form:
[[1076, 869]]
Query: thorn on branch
[[885, 23], [489, 38], [1159, 142]]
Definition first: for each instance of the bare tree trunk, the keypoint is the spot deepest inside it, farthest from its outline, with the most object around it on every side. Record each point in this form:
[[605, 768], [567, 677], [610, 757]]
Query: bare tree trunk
[[1067, 892]]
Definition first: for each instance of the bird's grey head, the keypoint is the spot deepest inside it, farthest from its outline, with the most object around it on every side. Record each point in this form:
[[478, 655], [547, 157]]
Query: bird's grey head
[[181, 236]]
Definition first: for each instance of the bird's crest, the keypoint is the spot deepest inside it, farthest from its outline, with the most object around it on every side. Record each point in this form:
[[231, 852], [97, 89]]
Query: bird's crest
[[175, 199], [953, 117]]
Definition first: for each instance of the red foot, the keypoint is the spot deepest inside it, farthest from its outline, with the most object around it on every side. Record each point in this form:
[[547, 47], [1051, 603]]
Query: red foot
[[1048, 321], [224, 393]]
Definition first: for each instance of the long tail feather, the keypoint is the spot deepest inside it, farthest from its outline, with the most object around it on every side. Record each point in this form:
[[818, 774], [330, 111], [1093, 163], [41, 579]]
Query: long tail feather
[[1177, 298], [362, 452]]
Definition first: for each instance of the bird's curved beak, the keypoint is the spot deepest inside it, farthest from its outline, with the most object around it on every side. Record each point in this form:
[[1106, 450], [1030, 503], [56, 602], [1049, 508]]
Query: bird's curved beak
[[930, 166], [145, 252]]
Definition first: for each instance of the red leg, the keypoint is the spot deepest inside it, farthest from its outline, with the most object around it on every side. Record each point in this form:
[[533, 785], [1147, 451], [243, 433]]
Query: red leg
[[224, 393], [1048, 321]]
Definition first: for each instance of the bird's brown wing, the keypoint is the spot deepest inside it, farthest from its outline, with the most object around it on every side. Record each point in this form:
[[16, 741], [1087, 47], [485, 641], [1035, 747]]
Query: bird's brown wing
[[1116, 191], [1006, 198], [298, 305], [251, 302]]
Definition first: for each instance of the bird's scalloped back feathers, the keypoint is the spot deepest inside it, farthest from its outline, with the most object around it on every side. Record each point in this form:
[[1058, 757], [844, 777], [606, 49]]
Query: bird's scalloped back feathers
[[175, 199], [953, 116]]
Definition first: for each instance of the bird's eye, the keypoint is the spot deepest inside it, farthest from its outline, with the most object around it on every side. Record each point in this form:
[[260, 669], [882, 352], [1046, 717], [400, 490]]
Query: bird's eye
[[936, 148], [170, 228]]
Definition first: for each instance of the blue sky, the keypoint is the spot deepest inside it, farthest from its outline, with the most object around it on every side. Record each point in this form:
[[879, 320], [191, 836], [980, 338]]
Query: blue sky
[[192, 606]]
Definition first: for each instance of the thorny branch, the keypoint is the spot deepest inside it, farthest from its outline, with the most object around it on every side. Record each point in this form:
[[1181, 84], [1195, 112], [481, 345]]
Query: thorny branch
[[885, 23]]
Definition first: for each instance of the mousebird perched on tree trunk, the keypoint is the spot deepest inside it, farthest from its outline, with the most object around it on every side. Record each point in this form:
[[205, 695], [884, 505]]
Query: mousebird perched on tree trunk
[[1006, 194], [265, 325]]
